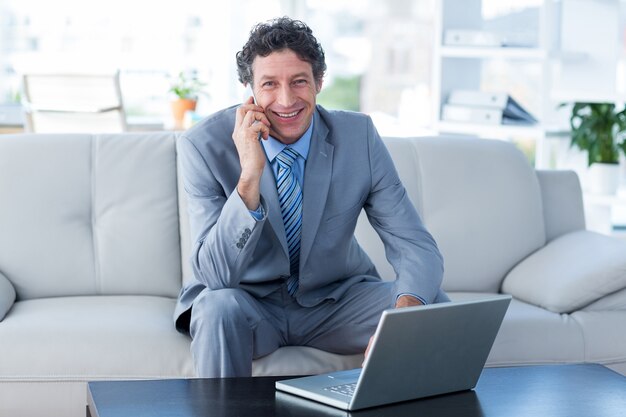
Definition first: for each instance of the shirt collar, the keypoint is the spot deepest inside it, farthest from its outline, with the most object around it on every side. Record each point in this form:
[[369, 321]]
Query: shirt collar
[[273, 147]]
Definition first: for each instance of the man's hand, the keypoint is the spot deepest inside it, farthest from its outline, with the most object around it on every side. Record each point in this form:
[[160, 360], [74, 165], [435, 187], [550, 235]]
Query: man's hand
[[402, 301], [250, 121], [407, 301]]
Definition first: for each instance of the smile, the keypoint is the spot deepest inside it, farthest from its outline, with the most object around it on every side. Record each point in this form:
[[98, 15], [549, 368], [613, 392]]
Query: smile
[[288, 115]]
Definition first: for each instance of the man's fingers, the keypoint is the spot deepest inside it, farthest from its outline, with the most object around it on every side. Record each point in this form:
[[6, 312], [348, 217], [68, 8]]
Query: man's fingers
[[369, 344], [251, 121], [367, 349], [253, 125], [407, 301], [246, 107], [253, 117]]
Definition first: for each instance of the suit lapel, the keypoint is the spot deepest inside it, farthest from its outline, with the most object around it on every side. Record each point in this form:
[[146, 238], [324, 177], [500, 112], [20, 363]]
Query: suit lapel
[[270, 194], [317, 175]]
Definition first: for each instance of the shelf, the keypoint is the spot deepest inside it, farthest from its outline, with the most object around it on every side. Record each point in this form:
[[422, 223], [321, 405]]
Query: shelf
[[494, 131], [572, 96], [569, 56], [522, 67], [492, 52], [619, 199]]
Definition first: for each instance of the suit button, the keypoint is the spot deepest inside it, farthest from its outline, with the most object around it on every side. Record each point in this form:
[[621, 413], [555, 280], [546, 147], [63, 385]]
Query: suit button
[[248, 231], [239, 245]]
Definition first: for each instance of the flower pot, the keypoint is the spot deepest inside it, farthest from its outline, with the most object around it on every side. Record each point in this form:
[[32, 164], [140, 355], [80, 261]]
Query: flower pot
[[179, 108], [603, 178]]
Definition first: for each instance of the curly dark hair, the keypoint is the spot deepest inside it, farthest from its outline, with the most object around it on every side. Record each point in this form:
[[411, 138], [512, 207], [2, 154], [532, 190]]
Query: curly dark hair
[[276, 35]]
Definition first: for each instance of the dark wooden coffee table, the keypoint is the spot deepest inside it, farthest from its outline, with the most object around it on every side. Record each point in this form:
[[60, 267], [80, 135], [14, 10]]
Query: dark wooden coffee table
[[542, 391]]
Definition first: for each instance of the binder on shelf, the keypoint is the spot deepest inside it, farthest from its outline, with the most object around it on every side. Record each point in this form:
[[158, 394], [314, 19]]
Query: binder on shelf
[[471, 114], [510, 111], [478, 98], [468, 37], [463, 37]]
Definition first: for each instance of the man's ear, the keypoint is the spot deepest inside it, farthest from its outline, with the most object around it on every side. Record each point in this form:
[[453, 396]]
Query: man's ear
[[318, 85]]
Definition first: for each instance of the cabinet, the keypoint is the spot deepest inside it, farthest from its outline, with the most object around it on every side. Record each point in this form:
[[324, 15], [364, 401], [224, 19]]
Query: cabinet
[[545, 53], [606, 213], [519, 64]]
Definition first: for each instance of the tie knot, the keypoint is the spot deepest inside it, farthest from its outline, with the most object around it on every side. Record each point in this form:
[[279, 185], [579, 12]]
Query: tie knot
[[286, 158]]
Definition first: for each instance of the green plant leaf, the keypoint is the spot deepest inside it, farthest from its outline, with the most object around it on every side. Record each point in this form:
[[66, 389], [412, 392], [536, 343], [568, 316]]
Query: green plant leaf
[[187, 86], [596, 128]]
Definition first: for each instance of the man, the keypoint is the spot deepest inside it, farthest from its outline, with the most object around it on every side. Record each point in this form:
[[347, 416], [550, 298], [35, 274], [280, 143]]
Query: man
[[274, 189]]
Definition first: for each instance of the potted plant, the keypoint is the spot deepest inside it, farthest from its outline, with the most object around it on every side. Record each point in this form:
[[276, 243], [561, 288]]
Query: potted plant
[[598, 128], [186, 89]]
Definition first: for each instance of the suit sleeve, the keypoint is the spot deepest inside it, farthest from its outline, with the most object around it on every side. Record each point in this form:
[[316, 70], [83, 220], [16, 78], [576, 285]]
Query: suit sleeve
[[409, 247], [223, 231]]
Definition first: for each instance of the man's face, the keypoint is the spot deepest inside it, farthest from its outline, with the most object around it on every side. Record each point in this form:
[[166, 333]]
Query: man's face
[[285, 87]]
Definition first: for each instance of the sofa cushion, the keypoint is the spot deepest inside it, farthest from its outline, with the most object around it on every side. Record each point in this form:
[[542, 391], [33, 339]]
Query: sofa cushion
[[562, 199], [298, 360], [570, 272], [183, 221], [481, 201], [7, 296], [89, 214], [46, 243], [531, 335], [615, 301], [90, 338], [604, 337], [136, 214]]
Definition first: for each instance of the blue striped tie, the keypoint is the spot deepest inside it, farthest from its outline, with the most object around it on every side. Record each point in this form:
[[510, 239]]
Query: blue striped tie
[[290, 199]]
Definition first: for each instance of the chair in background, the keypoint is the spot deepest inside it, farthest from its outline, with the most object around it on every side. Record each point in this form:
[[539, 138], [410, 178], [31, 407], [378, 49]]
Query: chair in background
[[67, 103]]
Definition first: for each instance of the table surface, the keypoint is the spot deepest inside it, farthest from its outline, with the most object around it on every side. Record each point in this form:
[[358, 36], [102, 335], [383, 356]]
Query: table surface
[[558, 390]]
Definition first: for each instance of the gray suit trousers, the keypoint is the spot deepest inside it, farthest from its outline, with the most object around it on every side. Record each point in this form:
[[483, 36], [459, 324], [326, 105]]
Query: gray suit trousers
[[230, 327]]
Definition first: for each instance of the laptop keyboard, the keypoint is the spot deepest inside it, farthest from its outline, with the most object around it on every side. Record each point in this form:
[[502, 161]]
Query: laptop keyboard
[[344, 389]]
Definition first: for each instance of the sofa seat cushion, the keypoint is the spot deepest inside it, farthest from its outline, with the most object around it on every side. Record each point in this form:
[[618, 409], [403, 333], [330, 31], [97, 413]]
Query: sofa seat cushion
[[604, 337], [50, 347], [91, 338], [303, 360], [531, 335], [105, 337]]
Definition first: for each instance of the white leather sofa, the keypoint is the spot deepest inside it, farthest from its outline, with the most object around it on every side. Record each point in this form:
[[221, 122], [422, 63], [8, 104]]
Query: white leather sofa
[[94, 243]]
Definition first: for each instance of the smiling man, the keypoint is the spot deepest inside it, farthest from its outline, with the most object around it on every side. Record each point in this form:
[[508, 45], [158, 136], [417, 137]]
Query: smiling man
[[275, 260]]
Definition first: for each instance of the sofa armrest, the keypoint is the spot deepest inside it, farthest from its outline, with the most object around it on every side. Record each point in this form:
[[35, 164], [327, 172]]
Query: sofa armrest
[[7, 296], [570, 272], [562, 198]]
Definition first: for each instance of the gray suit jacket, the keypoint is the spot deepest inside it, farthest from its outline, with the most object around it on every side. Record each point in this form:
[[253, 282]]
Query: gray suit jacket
[[348, 169]]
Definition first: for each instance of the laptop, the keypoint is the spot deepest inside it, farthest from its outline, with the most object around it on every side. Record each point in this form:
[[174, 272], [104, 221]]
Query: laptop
[[416, 352]]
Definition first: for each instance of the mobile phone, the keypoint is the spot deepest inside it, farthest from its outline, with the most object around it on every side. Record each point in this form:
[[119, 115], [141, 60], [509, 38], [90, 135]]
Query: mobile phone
[[250, 92]]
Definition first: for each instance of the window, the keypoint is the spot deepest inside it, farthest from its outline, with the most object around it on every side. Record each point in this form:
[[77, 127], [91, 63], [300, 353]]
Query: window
[[378, 53]]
